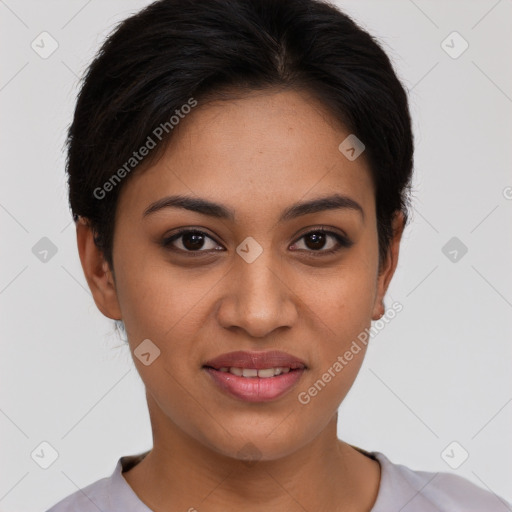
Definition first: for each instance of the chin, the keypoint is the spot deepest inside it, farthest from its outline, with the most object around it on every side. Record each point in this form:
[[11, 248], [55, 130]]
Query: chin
[[252, 445]]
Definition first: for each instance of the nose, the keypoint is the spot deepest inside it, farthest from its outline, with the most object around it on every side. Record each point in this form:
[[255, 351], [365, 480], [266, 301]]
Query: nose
[[258, 300]]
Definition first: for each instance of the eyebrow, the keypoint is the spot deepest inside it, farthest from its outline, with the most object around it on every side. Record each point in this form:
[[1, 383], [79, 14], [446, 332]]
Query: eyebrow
[[212, 209]]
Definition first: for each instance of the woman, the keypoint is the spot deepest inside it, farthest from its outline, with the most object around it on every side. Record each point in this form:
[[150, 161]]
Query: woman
[[239, 174]]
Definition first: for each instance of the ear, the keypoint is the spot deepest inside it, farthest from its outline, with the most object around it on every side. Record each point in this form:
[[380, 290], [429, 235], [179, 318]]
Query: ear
[[98, 274], [387, 268]]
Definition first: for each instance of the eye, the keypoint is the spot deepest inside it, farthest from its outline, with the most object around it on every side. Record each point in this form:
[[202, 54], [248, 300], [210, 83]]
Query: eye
[[316, 240], [190, 241], [196, 241]]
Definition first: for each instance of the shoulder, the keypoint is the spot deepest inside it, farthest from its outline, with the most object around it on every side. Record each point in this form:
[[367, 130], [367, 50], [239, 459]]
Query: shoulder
[[423, 491], [109, 494], [91, 498]]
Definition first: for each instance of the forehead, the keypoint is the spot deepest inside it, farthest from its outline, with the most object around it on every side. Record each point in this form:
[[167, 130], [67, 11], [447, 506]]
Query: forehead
[[257, 149]]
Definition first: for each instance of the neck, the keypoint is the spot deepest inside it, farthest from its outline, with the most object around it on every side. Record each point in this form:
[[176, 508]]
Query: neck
[[180, 473]]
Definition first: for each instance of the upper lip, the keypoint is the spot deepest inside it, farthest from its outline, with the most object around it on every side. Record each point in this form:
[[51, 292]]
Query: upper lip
[[257, 360]]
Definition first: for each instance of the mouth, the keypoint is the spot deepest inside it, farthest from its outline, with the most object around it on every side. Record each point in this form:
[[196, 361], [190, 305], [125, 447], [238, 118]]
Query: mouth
[[255, 376], [250, 373]]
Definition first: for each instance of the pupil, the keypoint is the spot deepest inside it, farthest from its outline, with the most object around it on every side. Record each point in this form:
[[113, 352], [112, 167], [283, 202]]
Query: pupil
[[318, 240], [193, 240]]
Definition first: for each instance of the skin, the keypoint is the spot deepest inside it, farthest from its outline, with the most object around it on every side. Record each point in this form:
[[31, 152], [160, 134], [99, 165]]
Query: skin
[[257, 154]]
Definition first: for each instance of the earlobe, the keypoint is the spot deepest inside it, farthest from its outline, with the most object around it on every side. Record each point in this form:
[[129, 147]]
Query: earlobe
[[378, 311], [97, 271]]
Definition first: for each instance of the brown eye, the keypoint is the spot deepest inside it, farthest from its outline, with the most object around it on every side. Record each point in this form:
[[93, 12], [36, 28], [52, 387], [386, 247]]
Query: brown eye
[[191, 241], [323, 242], [315, 240]]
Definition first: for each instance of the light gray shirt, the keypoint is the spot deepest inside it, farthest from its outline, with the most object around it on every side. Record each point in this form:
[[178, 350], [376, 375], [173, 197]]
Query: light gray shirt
[[401, 489]]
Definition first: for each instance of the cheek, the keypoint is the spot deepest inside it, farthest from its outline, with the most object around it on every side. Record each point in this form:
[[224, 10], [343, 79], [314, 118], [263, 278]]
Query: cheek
[[158, 300], [158, 303], [341, 306], [342, 302], [341, 342]]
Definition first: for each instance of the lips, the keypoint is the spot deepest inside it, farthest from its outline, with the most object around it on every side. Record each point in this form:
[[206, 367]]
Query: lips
[[255, 376], [256, 360]]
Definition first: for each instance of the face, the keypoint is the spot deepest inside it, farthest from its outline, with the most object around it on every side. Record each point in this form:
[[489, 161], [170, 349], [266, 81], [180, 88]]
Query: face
[[257, 276]]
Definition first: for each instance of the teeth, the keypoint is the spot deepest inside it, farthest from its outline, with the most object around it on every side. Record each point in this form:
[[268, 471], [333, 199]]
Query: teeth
[[253, 372], [268, 372]]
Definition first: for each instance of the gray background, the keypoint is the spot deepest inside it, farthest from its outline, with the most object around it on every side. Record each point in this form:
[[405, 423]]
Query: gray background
[[438, 373]]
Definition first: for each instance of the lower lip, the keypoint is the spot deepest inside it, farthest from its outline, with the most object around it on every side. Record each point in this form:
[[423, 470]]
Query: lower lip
[[256, 389]]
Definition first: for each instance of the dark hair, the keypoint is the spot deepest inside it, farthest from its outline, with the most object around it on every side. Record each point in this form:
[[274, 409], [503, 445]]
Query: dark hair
[[175, 51]]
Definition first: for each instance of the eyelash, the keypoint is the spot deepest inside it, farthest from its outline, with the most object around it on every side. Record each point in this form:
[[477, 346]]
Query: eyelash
[[344, 243]]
